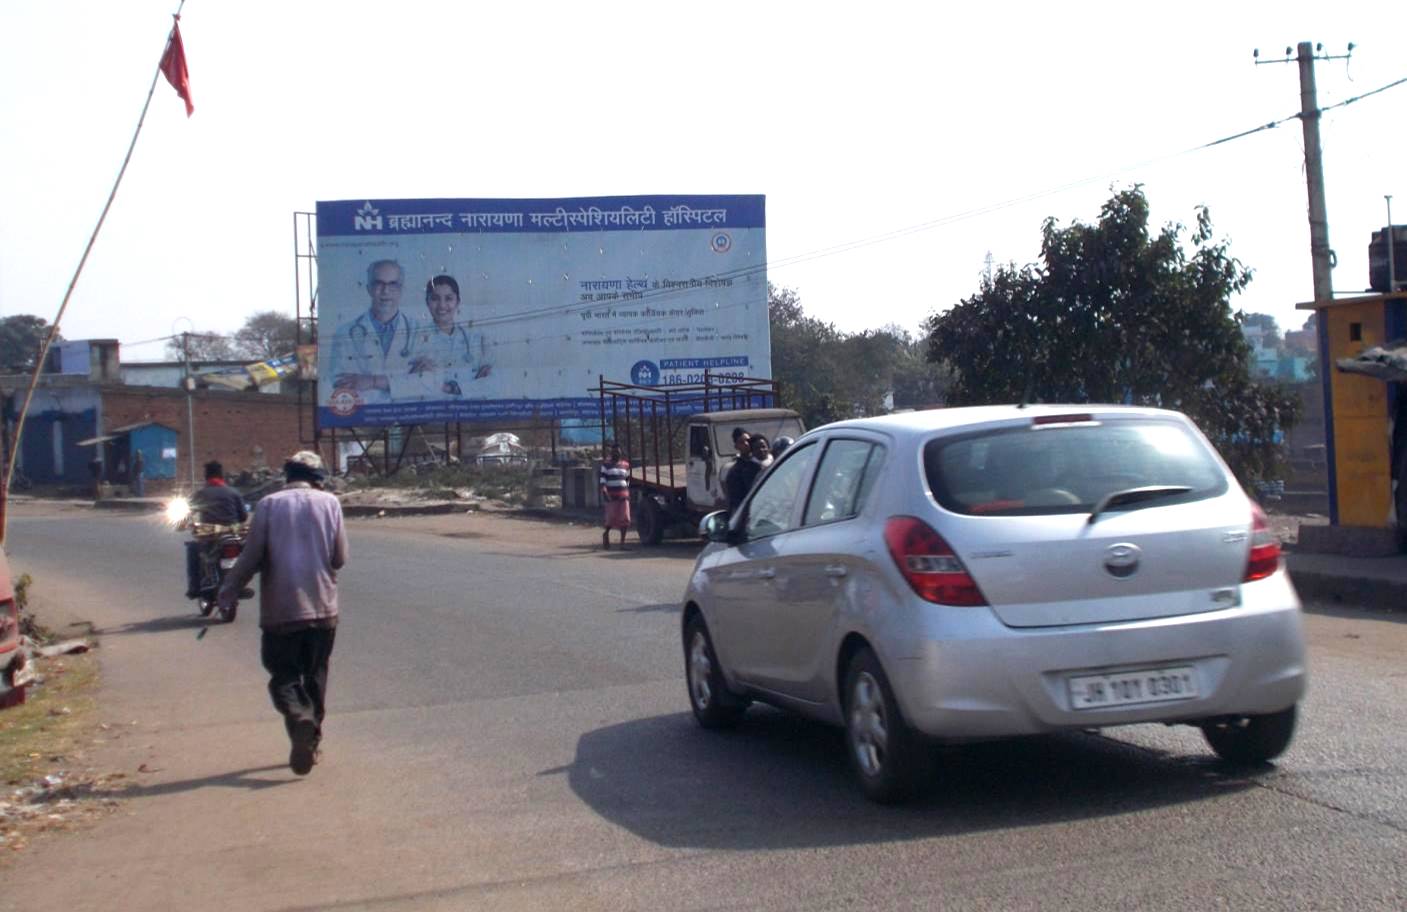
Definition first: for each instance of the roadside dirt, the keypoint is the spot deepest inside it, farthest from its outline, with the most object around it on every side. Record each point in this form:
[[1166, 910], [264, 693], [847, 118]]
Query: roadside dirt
[[47, 782]]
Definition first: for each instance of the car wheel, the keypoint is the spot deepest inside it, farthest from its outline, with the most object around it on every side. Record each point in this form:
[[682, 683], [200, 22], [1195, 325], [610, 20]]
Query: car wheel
[[713, 705], [649, 523], [887, 756], [1250, 740]]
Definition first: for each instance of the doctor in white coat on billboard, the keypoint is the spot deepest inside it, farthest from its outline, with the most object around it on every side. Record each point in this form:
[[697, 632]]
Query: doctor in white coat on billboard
[[448, 356], [372, 355]]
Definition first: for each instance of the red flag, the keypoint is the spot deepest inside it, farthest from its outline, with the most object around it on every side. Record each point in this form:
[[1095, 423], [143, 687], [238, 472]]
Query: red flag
[[173, 65]]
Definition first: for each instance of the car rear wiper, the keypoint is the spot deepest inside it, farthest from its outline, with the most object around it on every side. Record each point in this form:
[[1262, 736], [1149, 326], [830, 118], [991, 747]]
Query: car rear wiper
[[1134, 495]]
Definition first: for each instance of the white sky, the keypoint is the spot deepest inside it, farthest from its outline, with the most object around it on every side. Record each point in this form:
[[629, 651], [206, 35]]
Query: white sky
[[853, 119]]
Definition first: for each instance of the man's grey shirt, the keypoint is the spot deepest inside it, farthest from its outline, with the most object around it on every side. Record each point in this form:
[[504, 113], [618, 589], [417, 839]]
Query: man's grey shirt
[[297, 543]]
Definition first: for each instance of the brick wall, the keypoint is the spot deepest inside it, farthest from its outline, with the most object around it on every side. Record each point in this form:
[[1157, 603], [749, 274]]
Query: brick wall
[[241, 430]]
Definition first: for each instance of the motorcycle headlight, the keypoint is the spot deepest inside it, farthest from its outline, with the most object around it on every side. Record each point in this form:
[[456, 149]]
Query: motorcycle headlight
[[178, 509]]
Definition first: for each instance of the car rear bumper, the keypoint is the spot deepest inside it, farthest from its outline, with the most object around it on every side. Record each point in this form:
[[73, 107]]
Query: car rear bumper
[[982, 679]]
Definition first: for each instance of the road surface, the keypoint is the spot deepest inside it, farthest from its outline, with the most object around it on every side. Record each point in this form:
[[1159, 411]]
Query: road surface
[[509, 729]]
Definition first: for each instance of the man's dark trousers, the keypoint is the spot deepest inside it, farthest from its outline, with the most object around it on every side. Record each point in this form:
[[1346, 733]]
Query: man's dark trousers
[[297, 665]]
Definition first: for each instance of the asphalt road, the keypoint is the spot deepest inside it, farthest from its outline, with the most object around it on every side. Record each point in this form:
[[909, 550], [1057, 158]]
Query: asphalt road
[[508, 729]]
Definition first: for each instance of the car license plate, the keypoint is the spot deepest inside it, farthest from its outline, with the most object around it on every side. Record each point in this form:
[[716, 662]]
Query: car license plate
[[227, 562], [1151, 685]]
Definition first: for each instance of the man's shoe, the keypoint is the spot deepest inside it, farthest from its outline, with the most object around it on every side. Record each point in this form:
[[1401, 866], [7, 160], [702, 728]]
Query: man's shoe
[[303, 755]]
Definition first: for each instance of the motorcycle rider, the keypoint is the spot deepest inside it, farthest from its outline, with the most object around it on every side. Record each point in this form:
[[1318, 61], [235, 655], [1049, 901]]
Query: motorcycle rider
[[218, 504]]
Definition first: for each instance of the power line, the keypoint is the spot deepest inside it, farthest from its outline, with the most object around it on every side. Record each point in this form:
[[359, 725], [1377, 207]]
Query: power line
[[897, 233], [653, 296]]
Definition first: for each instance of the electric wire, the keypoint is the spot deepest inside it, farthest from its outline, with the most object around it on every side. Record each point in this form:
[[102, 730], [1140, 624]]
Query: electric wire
[[651, 296]]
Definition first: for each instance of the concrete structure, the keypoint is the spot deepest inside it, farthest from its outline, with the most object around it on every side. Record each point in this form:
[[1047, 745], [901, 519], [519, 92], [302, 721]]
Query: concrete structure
[[1365, 421], [75, 416]]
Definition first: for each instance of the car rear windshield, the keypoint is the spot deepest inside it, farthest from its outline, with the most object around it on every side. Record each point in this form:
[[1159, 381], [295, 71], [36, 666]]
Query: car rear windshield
[[1068, 468]]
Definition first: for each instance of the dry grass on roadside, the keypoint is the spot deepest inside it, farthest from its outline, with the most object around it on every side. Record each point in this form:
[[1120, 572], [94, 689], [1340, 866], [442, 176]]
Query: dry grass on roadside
[[46, 783], [40, 735]]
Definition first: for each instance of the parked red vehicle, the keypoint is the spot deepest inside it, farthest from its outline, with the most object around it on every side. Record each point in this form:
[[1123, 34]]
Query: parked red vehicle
[[13, 660]]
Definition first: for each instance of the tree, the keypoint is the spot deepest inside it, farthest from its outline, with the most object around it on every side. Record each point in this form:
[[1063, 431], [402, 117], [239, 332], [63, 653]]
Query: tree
[[1267, 324], [803, 358], [917, 382], [20, 338], [1116, 313], [203, 347], [267, 334], [826, 375]]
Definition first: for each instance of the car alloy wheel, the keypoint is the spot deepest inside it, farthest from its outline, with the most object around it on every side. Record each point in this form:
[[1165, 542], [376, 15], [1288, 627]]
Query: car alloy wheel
[[713, 705], [700, 670], [869, 729], [889, 758]]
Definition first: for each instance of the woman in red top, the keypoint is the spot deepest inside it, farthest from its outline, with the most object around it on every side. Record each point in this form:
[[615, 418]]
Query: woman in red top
[[615, 495]]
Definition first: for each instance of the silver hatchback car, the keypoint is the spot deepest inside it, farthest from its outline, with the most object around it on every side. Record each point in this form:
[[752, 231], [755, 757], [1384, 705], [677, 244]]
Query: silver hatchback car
[[985, 572]]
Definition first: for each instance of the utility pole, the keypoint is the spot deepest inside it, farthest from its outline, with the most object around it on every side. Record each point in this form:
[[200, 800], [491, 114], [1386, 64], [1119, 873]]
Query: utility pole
[[189, 383], [1321, 255]]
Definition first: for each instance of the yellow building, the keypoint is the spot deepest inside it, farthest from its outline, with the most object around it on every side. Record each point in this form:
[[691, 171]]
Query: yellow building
[[1365, 418]]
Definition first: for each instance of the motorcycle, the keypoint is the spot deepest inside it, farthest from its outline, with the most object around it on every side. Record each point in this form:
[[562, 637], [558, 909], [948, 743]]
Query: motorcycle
[[218, 547]]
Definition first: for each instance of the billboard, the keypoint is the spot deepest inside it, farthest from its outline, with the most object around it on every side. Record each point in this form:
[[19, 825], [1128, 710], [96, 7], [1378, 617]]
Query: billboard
[[492, 309]]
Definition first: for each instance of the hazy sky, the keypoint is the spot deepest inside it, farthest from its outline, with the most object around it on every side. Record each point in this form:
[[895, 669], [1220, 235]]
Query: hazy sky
[[855, 120]]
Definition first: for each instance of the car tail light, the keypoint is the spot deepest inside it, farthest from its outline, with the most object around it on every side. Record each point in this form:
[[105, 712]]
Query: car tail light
[[1062, 419], [1265, 547], [229, 550], [929, 564]]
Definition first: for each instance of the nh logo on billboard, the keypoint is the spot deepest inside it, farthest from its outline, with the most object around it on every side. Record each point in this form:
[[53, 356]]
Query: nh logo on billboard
[[368, 218]]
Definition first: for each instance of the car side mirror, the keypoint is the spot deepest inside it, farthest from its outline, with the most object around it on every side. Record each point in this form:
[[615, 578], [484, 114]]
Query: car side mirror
[[714, 526]]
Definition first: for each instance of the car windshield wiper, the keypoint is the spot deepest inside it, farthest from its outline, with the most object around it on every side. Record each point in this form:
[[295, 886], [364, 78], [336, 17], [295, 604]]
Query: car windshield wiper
[[1135, 495]]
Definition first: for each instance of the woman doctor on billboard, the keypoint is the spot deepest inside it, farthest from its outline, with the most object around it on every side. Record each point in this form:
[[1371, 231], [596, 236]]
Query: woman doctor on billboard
[[448, 357]]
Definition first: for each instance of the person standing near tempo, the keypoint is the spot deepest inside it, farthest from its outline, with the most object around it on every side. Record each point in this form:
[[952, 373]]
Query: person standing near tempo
[[297, 543], [615, 495]]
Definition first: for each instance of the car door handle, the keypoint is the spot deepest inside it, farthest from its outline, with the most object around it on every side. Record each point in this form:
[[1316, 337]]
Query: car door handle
[[769, 573], [836, 570]]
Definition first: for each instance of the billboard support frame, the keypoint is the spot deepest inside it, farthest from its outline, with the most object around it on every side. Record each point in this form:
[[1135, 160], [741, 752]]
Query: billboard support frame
[[305, 279]]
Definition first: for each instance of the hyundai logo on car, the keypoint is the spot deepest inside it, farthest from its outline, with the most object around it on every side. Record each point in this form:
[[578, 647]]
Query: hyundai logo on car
[[1121, 560]]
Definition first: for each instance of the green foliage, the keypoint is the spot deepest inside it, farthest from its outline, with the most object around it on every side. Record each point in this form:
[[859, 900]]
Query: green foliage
[[827, 375], [21, 336], [266, 334], [1116, 313], [21, 586]]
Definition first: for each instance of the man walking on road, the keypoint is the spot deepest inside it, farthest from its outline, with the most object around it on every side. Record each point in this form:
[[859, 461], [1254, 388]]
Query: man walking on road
[[297, 543]]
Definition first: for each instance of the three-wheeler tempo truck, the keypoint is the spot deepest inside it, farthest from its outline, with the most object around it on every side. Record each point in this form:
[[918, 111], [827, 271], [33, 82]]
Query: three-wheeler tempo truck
[[679, 440]]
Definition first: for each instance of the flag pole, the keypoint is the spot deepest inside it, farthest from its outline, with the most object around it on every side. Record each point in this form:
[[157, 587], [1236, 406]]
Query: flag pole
[[54, 328]]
